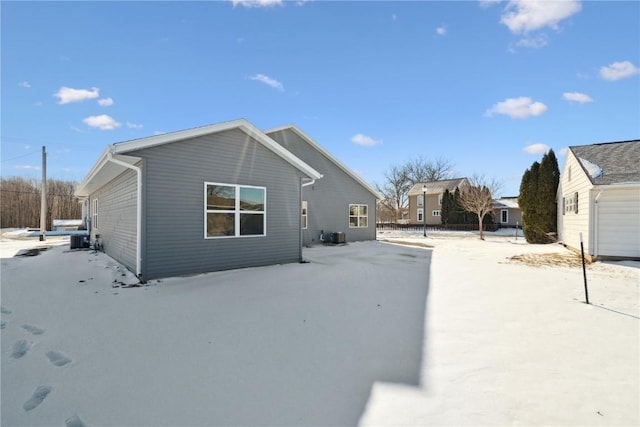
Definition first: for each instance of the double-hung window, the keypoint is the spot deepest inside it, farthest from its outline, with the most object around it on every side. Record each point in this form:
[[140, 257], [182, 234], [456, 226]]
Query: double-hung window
[[304, 215], [234, 210], [94, 214], [358, 216]]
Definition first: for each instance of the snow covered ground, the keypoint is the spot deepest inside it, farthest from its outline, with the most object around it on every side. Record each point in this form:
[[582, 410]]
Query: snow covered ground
[[371, 333]]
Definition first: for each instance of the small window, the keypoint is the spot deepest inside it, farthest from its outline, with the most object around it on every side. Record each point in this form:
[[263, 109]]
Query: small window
[[436, 212], [94, 214], [569, 204], [234, 210], [504, 216], [440, 199], [569, 174], [358, 216], [304, 215], [420, 215], [420, 200]]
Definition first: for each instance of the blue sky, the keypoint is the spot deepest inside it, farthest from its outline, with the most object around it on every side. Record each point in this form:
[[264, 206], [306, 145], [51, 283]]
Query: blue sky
[[487, 85]]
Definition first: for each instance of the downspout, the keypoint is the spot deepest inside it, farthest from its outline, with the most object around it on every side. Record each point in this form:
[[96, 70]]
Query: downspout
[[595, 225], [306, 184], [138, 171]]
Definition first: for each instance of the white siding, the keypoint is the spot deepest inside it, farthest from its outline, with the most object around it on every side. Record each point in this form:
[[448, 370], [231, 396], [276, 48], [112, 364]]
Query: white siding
[[571, 224], [617, 218]]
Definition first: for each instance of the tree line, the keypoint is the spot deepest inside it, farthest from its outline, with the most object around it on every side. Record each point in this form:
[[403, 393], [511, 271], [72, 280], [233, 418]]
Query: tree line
[[20, 202]]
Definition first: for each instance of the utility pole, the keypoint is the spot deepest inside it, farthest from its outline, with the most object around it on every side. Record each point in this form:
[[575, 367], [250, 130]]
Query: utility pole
[[43, 198]]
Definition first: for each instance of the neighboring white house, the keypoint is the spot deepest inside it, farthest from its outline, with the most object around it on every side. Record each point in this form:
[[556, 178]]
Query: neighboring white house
[[599, 199]]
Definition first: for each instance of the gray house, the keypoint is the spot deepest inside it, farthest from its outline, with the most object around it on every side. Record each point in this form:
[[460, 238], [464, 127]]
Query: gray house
[[340, 202], [211, 198]]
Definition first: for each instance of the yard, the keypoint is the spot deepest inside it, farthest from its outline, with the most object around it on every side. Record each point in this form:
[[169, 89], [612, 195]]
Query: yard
[[461, 332]]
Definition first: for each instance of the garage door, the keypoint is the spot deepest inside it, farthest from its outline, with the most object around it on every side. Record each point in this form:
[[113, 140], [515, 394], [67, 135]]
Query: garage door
[[618, 227]]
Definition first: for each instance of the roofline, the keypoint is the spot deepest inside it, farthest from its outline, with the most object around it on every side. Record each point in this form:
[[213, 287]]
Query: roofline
[[605, 143], [328, 155], [155, 140]]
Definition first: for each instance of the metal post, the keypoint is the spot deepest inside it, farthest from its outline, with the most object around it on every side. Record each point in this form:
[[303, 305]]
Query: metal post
[[584, 271], [43, 197], [424, 210], [516, 230]]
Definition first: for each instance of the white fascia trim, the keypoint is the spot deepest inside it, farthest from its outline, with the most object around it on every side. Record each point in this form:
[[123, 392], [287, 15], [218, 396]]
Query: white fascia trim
[[328, 155], [242, 124], [102, 160]]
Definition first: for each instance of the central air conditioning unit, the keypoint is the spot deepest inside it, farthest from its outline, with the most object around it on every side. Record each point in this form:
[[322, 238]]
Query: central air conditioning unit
[[338, 237]]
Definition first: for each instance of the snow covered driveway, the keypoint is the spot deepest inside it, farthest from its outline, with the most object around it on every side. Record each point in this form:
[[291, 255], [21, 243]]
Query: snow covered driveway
[[297, 344]]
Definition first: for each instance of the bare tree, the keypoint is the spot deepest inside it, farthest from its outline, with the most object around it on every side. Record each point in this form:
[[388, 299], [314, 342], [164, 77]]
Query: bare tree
[[421, 170], [400, 178], [395, 189], [478, 198]]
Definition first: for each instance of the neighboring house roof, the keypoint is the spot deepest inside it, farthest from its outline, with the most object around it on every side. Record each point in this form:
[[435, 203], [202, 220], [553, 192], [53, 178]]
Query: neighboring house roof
[[328, 155], [610, 163], [437, 187], [104, 170], [506, 203]]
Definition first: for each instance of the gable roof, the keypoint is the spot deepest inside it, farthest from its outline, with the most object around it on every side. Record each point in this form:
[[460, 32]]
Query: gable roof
[[610, 163], [105, 170], [506, 203], [437, 187], [328, 155]]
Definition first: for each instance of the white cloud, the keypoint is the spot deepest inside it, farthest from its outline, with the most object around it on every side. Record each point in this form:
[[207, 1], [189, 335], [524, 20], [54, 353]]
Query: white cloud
[[522, 16], [24, 84], [102, 122], [27, 167], [517, 108], [536, 148], [268, 81], [66, 95], [563, 151], [618, 70], [578, 97], [134, 125], [441, 30], [365, 140], [105, 102], [256, 3], [488, 3], [537, 42]]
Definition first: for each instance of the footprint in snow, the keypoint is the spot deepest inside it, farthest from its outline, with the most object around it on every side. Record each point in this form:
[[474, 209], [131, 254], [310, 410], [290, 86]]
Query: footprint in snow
[[57, 358], [33, 329], [37, 397], [3, 324], [75, 421], [20, 348], [5, 310]]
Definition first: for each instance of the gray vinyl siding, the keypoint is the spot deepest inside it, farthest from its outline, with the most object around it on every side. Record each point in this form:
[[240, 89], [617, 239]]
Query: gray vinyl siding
[[329, 197], [173, 198], [117, 218]]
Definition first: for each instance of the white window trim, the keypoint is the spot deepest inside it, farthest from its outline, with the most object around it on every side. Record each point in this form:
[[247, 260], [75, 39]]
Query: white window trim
[[440, 199], [436, 212], [235, 211], [420, 200], [94, 214], [502, 212], [358, 216], [420, 215], [305, 214]]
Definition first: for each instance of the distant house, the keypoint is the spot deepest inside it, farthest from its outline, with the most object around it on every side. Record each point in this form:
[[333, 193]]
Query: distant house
[[216, 197], [340, 202], [599, 199], [432, 191], [507, 212]]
